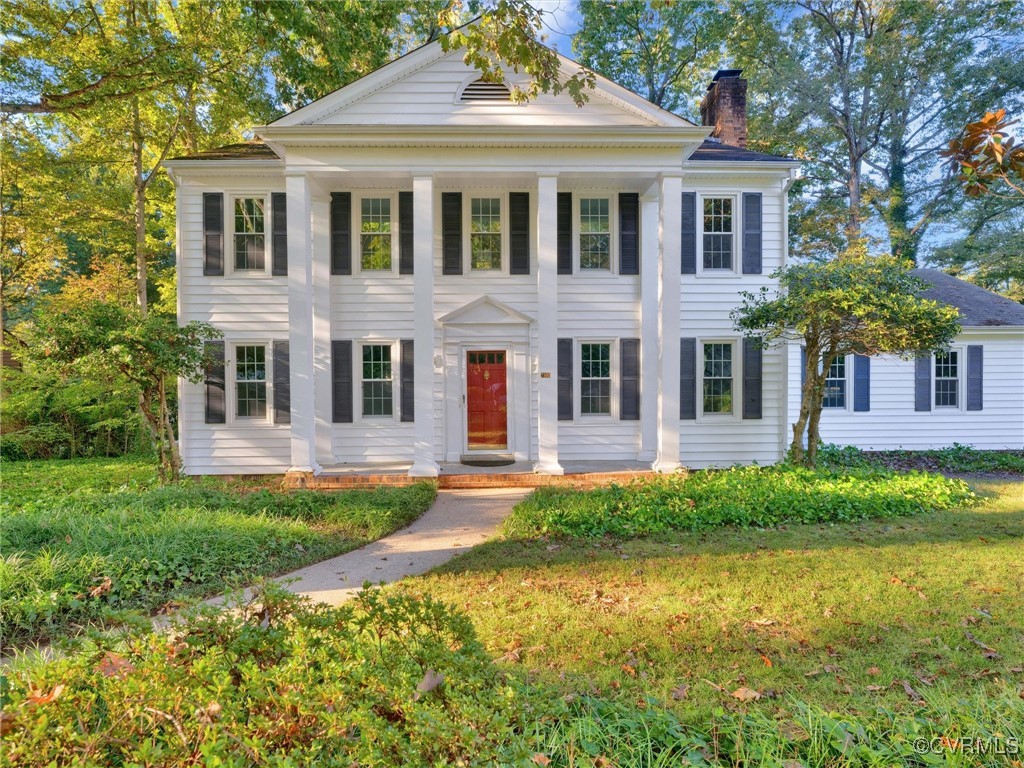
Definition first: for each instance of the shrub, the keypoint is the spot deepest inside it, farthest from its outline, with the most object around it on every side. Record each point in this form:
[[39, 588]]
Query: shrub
[[280, 682], [954, 458], [741, 496]]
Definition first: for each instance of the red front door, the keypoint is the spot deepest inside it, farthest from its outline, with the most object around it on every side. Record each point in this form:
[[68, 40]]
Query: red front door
[[486, 401]]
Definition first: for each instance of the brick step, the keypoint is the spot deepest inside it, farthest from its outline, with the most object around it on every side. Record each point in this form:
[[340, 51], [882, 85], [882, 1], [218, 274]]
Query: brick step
[[467, 481]]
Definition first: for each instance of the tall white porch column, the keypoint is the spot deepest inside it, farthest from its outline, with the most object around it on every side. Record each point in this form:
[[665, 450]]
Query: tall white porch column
[[423, 317], [670, 237], [300, 324], [650, 212], [320, 206], [547, 324]]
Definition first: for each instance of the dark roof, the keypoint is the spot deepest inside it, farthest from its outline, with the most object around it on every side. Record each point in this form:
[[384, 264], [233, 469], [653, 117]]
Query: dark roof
[[249, 150], [717, 151], [977, 306]]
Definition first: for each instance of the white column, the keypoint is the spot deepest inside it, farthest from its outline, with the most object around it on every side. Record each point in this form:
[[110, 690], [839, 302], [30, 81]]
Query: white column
[[547, 324], [649, 221], [424, 464], [300, 324], [670, 236], [321, 211]]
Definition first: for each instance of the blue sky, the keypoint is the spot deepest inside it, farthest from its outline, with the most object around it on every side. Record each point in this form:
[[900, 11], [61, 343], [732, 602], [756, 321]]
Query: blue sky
[[561, 20]]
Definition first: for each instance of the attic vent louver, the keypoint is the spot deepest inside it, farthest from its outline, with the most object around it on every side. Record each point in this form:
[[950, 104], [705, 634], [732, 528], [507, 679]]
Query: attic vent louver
[[479, 90]]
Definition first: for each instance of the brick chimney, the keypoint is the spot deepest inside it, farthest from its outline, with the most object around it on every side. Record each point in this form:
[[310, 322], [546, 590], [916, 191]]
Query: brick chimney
[[724, 107]]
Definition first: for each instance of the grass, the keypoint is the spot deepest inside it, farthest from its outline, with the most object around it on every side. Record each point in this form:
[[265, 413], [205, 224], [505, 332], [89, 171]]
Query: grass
[[85, 541], [852, 617]]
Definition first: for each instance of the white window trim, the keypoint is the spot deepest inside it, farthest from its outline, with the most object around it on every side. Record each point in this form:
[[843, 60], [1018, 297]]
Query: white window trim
[[357, 230], [737, 381], [613, 378], [467, 226], [961, 381], [268, 223], [230, 382], [848, 398], [396, 395], [613, 231], [737, 228]]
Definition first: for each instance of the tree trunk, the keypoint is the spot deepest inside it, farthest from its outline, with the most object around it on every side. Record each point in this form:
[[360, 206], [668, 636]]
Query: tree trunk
[[902, 241], [139, 188], [853, 185], [173, 455]]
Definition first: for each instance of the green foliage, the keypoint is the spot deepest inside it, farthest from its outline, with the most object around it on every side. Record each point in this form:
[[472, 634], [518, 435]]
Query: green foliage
[[380, 681], [117, 543], [955, 458], [742, 496]]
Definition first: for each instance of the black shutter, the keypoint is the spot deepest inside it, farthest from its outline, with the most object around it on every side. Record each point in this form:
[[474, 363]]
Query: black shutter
[[282, 384], [629, 233], [923, 383], [519, 232], [215, 382], [405, 233], [861, 383], [803, 367], [341, 381], [341, 233], [407, 381], [564, 239], [687, 378], [753, 356], [975, 377], [451, 232], [565, 379], [279, 233], [688, 245], [629, 379], [751, 233], [213, 233]]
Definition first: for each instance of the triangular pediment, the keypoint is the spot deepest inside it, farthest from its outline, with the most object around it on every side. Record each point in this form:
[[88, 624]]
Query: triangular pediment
[[485, 311], [427, 87]]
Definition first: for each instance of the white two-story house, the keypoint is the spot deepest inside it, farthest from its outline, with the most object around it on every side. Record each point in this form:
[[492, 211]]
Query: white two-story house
[[416, 270]]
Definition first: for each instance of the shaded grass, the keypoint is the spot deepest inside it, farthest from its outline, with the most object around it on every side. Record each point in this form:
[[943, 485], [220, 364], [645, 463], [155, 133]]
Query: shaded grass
[[74, 558], [835, 615]]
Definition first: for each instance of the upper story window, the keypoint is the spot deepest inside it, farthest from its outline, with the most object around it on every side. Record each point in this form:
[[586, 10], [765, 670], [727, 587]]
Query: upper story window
[[485, 233], [718, 378], [947, 379], [250, 233], [595, 233], [251, 381], [835, 385], [595, 378], [718, 223], [378, 386], [375, 234]]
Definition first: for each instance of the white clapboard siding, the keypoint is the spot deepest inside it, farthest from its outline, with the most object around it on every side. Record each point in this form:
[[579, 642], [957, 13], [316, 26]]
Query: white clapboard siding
[[892, 422]]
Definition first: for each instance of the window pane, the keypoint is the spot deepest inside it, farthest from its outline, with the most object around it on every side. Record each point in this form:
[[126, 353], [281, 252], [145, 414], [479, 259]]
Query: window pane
[[595, 234], [251, 381], [375, 233], [718, 233], [595, 378], [249, 243], [835, 385], [717, 378], [377, 386], [947, 367], [485, 233]]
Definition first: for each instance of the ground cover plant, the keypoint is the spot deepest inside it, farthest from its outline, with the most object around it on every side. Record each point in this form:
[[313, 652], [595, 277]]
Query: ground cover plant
[[892, 625], [956, 459], [84, 541], [741, 496]]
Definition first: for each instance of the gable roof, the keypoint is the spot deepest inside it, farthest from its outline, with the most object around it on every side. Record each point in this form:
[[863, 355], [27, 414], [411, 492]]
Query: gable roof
[[712, 150], [977, 306], [248, 150]]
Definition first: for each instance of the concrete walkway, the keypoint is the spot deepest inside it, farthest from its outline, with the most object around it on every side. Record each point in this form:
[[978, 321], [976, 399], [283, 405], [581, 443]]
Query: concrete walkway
[[457, 520]]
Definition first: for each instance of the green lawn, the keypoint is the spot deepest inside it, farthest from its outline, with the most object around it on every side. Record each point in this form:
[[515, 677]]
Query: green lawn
[[84, 541], [850, 617]]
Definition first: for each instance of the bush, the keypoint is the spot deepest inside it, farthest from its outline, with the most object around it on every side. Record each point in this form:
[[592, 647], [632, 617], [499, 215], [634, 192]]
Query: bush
[[280, 682], [955, 458], [742, 496]]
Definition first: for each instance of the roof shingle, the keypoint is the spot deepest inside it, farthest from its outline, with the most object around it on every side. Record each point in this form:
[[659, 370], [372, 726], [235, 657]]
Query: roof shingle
[[717, 151], [248, 150], [977, 306]]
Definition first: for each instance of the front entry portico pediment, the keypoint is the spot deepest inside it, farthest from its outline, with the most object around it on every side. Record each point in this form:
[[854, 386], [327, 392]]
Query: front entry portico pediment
[[485, 311]]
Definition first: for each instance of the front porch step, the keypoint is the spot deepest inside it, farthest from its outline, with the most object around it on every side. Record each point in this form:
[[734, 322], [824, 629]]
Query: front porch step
[[348, 480]]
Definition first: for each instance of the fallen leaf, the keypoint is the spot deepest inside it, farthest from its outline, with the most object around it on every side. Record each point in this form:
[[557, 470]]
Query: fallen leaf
[[876, 687], [766, 660], [102, 588], [914, 695], [112, 665], [629, 670], [680, 692], [540, 759], [7, 723], [38, 697], [430, 681], [746, 694], [987, 651], [874, 671]]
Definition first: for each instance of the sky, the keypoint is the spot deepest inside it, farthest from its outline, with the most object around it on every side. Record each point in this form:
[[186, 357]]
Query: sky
[[561, 20]]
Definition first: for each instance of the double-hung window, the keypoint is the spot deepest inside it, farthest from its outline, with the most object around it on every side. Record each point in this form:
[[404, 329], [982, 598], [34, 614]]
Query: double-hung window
[[718, 378], [378, 387], [485, 233], [835, 385], [595, 233], [718, 222], [947, 379], [375, 234], [595, 378], [250, 233], [251, 381]]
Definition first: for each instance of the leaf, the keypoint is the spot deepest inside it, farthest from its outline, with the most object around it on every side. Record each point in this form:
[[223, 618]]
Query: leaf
[[36, 696], [430, 681], [987, 651], [746, 694], [102, 588], [540, 759], [8, 722], [874, 671], [113, 665], [766, 660], [680, 692], [915, 697]]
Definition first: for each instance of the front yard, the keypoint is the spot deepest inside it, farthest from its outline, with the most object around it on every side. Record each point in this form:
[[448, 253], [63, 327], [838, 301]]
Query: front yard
[[88, 543]]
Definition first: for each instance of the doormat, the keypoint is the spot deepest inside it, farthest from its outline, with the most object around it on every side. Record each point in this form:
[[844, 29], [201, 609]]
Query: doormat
[[488, 462]]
